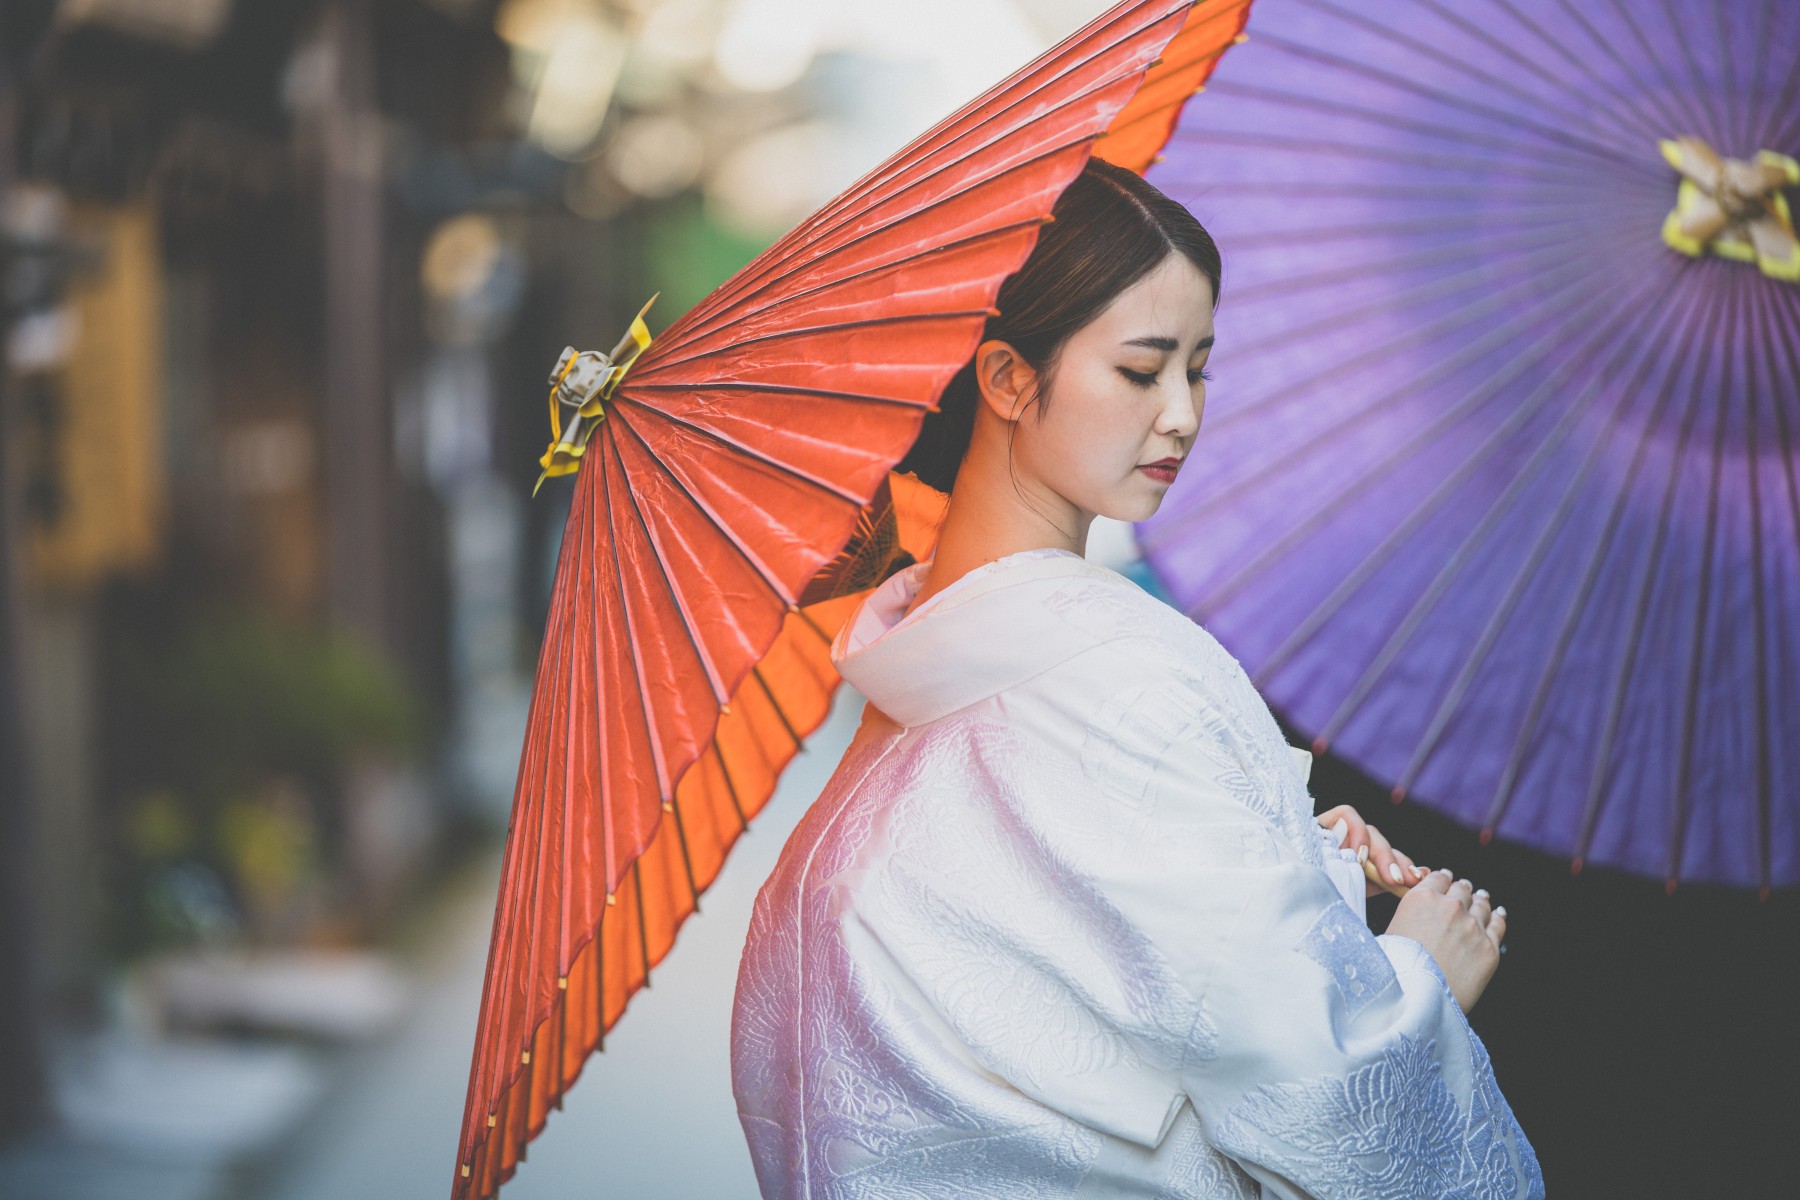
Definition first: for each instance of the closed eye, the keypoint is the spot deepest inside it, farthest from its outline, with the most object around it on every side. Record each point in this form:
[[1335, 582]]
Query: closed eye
[[1146, 378]]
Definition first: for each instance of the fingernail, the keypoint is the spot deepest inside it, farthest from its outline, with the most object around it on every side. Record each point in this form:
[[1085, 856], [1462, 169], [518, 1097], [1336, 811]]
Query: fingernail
[[1342, 829], [1362, 854], [1394, 872], [1419, 870], [1446, 872], [1482, 892], [1501, 911]]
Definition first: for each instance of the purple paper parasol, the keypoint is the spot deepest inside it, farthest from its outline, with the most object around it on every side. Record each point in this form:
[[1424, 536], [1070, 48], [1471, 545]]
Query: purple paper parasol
[[1498, 493]]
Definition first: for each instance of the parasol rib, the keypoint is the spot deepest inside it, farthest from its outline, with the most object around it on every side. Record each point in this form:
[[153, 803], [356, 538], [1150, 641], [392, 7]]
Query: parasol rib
[[1370, 116], [1682, 812], [1522, 249], [1771, 309], [724, 529], [1691, 118], [1536, 250], [1550, 133], [664, 785], [1618, 103], [714, 678], [1583, 593], [731, 789], [730, 443], [1419, 515], [1592, 803], [1298, 531], [1540, 548], [1456, 166], [799, 742], [1491, 518], [917, 258], [1443, 369]]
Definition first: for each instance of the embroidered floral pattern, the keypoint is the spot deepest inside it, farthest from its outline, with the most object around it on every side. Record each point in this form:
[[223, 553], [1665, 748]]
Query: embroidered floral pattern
[[1341, 943], [1390, 1130], [1211, 688]]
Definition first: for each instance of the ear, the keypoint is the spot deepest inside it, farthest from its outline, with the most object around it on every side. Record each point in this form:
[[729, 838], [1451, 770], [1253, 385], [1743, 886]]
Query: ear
[[1006, 380]]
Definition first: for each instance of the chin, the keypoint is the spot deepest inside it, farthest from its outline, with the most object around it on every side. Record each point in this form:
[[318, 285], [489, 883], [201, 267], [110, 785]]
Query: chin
[[1137, 508]]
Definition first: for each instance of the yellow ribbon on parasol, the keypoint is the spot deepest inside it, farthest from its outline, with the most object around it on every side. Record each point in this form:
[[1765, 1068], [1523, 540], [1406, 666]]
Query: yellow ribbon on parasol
[[1733, 207], [583, 380]]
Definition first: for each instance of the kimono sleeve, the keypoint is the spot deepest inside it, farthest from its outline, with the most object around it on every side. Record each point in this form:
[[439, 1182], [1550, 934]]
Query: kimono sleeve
[[1334, 1062]]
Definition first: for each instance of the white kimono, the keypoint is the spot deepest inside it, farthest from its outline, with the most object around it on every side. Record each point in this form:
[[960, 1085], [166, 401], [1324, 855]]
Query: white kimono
[[1061, 925]]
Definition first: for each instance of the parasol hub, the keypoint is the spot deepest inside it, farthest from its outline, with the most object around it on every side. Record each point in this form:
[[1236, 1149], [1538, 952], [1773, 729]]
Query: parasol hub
[[1733, 207], [582, 381]]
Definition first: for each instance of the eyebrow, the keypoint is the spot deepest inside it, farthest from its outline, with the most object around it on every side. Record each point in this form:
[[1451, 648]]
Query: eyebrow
[[1164, 343]]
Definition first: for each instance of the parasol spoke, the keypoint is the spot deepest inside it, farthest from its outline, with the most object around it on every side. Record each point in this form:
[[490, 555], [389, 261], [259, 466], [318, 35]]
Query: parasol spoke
[[1632, 121], [1708, 313], [1682, 810], [1579, 300], [1380, 120], [871, 264], [1373, 356], [1549, 195], [1551, 133], [1493, 514], [992, 202], [774, 389], [722, 527], [1591, 577], [1457, 167], [1523, 250], [1637, 344], [689, 625], [1773, 336], [1395, 230], [1563, 301], [1698, 118], [665, 784]]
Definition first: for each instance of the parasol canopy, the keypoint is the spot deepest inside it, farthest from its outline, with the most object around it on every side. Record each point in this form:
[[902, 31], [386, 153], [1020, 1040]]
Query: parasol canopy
[[1499, 490], [732, 498]]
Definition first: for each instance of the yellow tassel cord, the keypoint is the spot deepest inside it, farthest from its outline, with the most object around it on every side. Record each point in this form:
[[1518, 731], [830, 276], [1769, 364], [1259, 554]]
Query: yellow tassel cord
[[1733, 207], [584, 380]]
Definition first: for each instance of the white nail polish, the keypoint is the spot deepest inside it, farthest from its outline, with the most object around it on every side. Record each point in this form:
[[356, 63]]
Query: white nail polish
[[1501, 911], [1394, 872], [1482, 892], [1342, 829]]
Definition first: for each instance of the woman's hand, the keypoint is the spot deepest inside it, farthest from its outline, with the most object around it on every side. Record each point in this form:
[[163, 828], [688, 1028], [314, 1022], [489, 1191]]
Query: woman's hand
[[1457, 924], [1387, 869]]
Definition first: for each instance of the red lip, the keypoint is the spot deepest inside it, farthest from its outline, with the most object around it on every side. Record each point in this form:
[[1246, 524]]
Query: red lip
[[1163, 471]]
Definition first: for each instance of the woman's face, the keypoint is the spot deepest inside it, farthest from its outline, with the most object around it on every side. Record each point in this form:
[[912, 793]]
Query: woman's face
[[1128, 391]]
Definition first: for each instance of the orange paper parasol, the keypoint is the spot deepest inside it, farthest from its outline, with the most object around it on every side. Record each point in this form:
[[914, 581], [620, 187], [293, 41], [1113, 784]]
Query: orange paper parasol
[[733, 500]]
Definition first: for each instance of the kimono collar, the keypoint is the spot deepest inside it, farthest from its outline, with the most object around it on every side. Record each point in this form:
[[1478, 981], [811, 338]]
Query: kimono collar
[[985, 633]]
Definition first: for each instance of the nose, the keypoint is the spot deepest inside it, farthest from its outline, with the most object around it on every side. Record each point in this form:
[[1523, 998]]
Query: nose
[[1181, 411]]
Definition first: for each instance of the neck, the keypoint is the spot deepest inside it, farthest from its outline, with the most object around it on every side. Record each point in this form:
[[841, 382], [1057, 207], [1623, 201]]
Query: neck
[[988, 517]]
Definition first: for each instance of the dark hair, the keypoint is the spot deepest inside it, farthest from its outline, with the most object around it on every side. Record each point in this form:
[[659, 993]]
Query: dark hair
[[1108, 230]]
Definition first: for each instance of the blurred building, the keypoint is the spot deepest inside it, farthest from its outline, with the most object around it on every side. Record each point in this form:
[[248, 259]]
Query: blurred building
[[282, 280], [223, 589]]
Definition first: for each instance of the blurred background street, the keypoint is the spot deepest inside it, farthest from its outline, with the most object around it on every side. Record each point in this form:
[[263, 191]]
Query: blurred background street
[[282, 281]]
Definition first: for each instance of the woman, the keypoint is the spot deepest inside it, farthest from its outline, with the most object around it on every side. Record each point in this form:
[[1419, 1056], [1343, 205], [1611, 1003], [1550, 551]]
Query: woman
[[1062, 923]]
